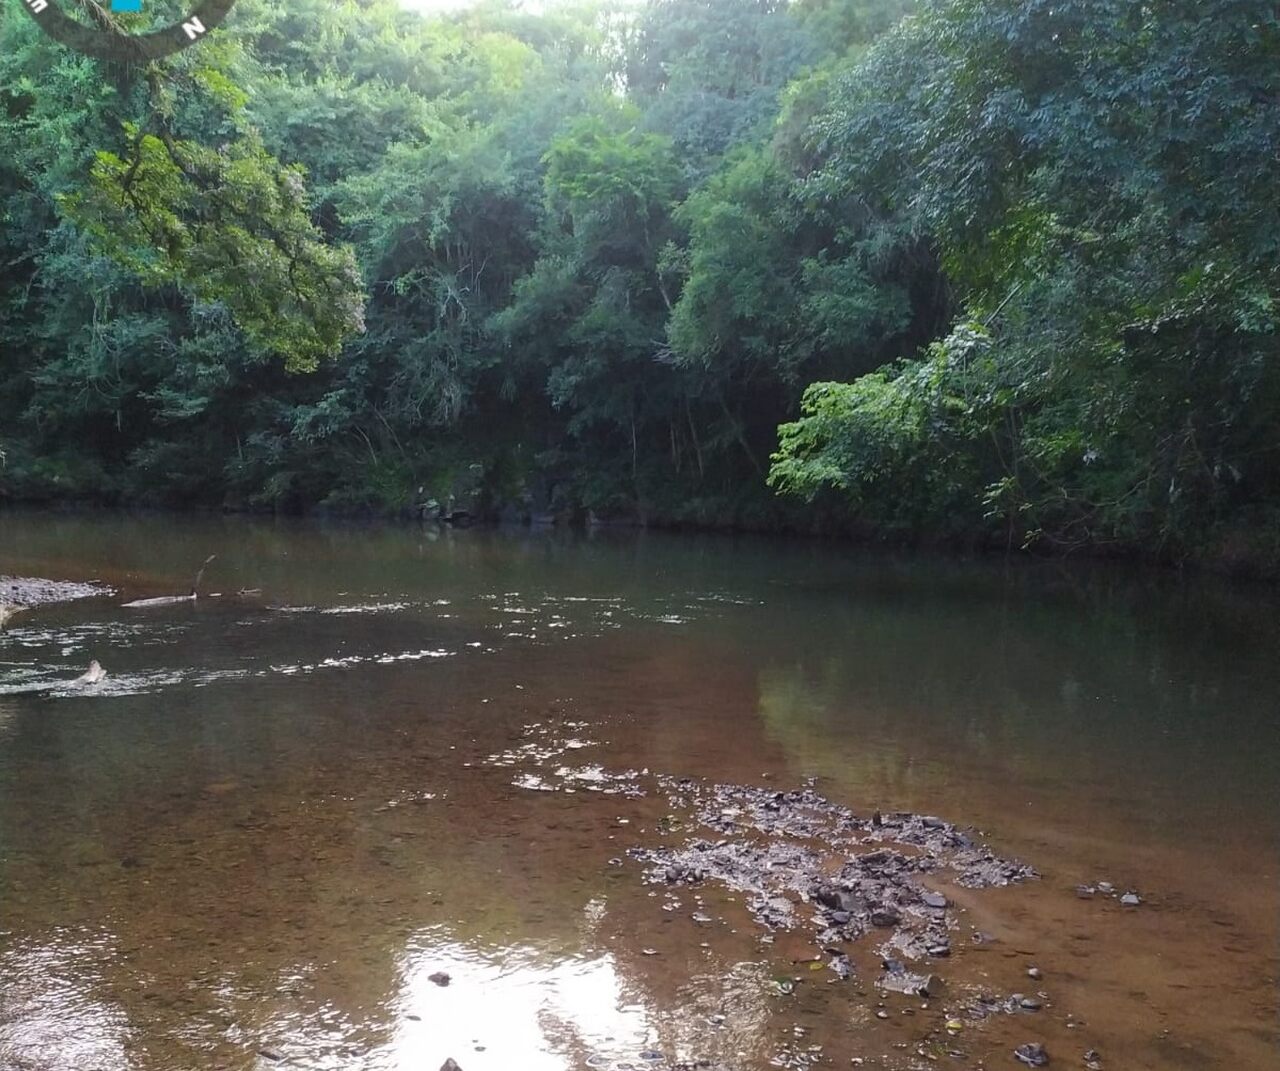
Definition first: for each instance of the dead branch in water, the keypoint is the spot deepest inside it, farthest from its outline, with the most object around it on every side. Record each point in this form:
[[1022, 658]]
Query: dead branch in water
[[195, 584], [171, 600]]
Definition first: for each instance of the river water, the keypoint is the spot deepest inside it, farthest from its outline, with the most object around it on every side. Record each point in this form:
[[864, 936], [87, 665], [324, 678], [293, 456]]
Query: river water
[[372, 754]]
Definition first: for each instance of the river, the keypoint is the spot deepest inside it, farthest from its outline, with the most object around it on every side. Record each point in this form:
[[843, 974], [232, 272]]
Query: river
[[368, 756]]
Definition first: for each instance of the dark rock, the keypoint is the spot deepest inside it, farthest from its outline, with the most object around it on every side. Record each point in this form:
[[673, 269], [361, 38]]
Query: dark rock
[[1032, 1054], [1031, 1003], [836, 899], [1093, 1060], [885, 915], [934, 899], [828, 897], [939, 951], [840, 917], [450, 1065], [1085, 892], [440, 978]]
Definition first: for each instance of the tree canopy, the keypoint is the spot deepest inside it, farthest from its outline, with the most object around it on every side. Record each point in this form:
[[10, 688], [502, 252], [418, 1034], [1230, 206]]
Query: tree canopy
[[1002, 271]]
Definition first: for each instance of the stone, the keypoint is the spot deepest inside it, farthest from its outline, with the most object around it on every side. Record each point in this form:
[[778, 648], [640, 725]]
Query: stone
[[1032, 1054], [829, 897], [1131, 899], [440, 978], [885, 916], [450, 1065], [934, 899], [1031, 1003], [1035, 972]]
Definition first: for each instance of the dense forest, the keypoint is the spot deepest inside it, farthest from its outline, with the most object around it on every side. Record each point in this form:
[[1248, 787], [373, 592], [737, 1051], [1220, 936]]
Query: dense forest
[[995, 271]]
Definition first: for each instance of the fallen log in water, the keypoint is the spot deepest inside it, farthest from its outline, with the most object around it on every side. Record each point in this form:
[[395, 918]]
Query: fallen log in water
[[171, 600]]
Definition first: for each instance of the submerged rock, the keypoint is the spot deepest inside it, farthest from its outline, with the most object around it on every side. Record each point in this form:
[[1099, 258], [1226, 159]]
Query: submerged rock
[[800, 861], [1033, 1054], [440, 978]]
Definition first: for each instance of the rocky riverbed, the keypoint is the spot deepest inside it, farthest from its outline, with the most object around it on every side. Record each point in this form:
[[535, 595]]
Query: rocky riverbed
[[805, 862], [858, 899], [25, 592]]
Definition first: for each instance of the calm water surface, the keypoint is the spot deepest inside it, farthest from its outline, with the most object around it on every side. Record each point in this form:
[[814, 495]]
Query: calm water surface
[[286, 809]]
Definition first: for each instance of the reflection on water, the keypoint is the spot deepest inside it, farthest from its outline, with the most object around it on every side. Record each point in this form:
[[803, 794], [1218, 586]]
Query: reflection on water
[[294, 801]]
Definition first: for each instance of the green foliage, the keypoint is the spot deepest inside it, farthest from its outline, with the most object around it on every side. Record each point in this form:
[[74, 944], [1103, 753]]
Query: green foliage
[[1004, 270], [229, 226], [1099, 178]]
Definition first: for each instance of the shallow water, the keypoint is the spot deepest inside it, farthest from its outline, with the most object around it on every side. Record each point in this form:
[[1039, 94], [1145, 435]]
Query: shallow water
[[393, 755]]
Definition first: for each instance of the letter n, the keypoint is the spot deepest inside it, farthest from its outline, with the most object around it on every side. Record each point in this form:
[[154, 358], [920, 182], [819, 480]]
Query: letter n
[[193, 28]]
